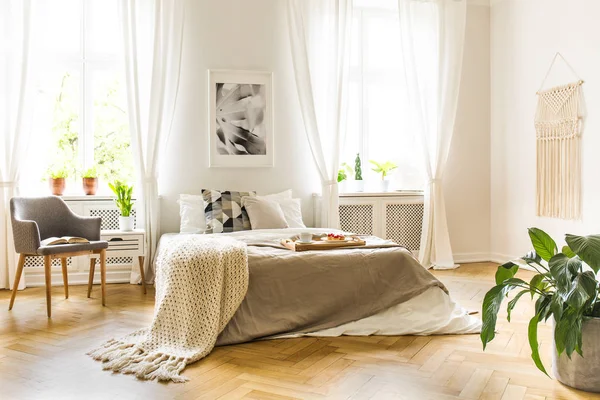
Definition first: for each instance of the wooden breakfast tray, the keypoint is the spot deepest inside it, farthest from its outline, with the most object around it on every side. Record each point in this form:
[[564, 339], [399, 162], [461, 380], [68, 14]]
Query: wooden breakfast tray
[[321, 245]]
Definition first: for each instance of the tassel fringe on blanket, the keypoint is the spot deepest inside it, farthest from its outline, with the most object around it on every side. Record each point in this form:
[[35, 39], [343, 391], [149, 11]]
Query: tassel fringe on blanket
[[200, 283], [118, 356], [557, 125]]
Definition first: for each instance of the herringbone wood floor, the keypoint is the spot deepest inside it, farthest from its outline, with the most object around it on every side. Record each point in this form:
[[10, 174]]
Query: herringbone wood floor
[[45, 359]]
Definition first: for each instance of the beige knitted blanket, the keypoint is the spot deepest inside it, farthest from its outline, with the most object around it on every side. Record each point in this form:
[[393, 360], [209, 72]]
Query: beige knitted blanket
[[200, 282]]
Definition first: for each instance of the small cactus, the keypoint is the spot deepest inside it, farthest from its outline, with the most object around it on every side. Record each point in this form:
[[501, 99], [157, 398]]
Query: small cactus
[[357, 168]]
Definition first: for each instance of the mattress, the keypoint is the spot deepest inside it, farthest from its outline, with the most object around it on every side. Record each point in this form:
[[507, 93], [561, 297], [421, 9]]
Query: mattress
[[377, 290]]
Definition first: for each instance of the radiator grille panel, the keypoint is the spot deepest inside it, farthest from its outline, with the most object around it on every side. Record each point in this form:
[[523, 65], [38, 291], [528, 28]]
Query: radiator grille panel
[[118, 260], [357, 218], [110, 217], [38, 261], [404, 224]]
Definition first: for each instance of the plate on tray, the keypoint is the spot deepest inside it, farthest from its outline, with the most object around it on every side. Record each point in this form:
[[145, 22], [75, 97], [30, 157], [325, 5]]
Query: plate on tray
[[324, 239]]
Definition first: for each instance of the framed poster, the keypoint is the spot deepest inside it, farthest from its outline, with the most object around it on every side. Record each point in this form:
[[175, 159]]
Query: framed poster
[[240, 119]]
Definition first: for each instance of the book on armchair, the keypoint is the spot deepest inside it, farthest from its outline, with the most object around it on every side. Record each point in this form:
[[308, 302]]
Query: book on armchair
[[51, 241]]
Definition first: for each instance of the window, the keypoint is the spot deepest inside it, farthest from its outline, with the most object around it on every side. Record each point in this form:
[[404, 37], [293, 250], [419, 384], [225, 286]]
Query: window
[[81, 110], [377, 126]]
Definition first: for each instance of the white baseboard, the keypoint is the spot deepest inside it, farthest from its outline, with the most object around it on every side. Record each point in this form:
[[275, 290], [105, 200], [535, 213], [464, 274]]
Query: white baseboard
[[78, 278], [501, 258], [471, 257]]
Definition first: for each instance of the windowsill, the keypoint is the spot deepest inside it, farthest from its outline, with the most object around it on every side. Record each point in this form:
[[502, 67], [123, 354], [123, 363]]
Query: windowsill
[[391, 193], [83, 197]]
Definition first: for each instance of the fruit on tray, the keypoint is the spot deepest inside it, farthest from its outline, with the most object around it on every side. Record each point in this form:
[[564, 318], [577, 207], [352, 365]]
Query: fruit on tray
[[334, 236]]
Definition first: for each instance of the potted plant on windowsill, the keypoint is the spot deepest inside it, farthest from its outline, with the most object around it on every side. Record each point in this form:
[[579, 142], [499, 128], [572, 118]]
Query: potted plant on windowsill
[[384, 169], [57, 180], [90, 181], [566, 288], [344, 173], [124, 204], [359, 184]]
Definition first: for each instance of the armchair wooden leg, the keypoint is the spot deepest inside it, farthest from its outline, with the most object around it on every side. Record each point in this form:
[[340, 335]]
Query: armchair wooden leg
[[63, 262], [47, 275], [141, 261], [92, 271], [18, 274], [103, 275]]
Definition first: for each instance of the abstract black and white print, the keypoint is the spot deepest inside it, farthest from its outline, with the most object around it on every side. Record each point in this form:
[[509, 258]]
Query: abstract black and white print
[[240, 119]]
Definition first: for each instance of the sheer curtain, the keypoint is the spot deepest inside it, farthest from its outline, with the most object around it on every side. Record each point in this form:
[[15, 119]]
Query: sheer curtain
[[15, 104], [152, 40], [319, 33], [432, 40]]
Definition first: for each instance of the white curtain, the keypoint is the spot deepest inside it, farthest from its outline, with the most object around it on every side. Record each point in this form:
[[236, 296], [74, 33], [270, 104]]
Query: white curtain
[[432, 39], [15, 117], [153, 34], [319, 33]]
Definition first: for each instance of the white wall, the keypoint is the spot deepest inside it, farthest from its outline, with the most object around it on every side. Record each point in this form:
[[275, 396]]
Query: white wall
[[525, 35], [238, 34], [467, 179]]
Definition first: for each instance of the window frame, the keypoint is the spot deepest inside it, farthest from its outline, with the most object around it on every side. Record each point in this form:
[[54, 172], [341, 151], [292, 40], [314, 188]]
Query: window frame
[[87, 64], [362, 75]]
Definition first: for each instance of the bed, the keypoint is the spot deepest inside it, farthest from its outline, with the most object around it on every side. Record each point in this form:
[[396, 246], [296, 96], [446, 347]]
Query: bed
[[377, 290]]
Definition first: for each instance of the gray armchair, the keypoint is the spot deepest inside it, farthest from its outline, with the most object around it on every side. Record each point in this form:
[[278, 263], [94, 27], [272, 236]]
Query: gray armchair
[[37, 218]]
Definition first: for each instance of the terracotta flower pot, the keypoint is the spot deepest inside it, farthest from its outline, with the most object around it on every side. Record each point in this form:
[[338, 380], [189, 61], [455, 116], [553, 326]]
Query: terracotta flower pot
[[90, 186], [57, 186]]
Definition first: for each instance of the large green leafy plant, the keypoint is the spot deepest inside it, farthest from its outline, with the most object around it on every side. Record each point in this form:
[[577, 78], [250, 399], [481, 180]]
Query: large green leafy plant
[[565, 286], [123, 200]]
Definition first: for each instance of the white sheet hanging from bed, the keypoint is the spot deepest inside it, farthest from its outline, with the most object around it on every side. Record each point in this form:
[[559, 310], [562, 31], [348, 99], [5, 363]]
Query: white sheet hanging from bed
[[430, 313]]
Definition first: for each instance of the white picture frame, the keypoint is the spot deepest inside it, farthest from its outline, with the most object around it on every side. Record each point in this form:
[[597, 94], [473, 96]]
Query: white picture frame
[[240, 111]]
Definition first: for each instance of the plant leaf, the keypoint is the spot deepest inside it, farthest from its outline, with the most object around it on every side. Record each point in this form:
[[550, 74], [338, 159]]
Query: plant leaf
[[560, 272], [556, 306], [532, 257], [574, 265], [542, 307], [567, 333], [533, 343], [583, 288], [491, 305], [543, 244], [587, 248], [536, 283], [506, 271], [566, 250], [513, 303]]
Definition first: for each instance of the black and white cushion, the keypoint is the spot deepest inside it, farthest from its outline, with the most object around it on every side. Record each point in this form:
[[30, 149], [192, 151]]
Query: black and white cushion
[[224, 211]]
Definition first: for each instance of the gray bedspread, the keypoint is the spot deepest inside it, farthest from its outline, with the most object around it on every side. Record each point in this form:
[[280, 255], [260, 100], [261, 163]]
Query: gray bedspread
[[314, 290]]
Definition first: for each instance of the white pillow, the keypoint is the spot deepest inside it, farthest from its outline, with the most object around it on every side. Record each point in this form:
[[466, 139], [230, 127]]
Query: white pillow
[[191, 211], [264, 213], [292, 211], [286, 194]]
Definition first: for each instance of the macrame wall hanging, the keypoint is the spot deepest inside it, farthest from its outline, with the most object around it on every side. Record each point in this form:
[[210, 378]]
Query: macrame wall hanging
[[558, 137]]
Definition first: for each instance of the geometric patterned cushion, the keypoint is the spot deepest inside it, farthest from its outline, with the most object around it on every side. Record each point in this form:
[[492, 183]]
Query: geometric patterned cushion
[[224, 212]]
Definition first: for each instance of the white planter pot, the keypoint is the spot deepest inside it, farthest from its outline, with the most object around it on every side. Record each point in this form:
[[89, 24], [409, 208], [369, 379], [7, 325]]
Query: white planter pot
[[359, 186], [581, 373], [385, 186], [126, 223]]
